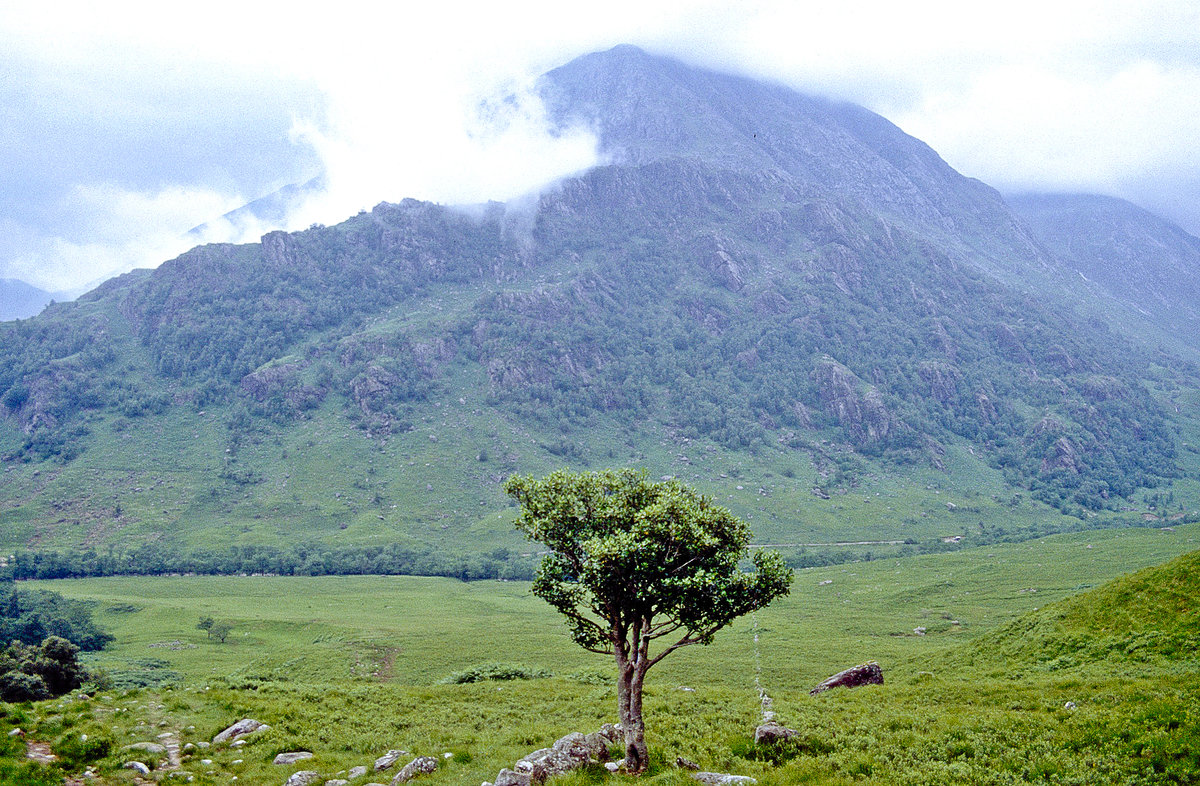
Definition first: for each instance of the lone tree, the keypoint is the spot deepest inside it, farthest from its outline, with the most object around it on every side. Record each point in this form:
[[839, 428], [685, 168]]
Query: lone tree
[[632, 561]]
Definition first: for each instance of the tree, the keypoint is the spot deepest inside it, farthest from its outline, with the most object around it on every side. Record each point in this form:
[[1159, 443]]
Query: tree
[[220, 630], [206, 624], [633, 561]]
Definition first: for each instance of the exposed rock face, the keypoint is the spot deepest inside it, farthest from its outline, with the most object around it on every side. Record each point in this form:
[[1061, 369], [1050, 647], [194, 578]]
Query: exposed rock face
[[422, 765], [240, 729], [1061, 456], [855, 405], [864, 674]]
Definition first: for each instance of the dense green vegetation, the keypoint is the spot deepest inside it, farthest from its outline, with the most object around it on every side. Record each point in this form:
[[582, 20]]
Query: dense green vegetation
[[351, 667], [30, 616]]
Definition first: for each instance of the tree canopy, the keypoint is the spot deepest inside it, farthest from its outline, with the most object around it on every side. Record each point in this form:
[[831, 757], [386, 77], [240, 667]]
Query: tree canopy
[[633, 561]]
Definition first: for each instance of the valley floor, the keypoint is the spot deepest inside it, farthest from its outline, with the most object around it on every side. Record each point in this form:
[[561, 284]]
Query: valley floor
[[351, 667]]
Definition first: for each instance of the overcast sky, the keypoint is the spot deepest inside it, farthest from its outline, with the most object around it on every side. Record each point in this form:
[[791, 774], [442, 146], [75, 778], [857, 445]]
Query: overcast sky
[[123, 125]]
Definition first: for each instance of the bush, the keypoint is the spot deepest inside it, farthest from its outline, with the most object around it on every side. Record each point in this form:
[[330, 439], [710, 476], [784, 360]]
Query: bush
[[495, 671], [35, 673]]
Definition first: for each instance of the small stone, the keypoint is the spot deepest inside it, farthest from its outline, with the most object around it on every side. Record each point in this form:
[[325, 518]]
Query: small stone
[[422, 765], [337, 782], [136, 766], [509, 778], [292, 757], [388, 759], [303, 778], [686, 764], [1070, 705], [722, 779], [357, 772]]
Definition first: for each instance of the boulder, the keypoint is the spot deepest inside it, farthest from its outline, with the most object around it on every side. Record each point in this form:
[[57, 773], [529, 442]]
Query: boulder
[[240, 729], [303, 778], [509, 778], [771, 733], [721, 779], [388, 759], [422, 765], [568, 753], [292, 757], [136, 766], [357, 772], [865, 674]]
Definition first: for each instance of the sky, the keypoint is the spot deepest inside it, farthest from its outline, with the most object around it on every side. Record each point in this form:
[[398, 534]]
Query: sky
[[124, 126]]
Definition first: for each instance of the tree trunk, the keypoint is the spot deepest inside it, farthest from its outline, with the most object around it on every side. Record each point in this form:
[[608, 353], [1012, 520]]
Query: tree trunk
[[630, 678], [637, 757]]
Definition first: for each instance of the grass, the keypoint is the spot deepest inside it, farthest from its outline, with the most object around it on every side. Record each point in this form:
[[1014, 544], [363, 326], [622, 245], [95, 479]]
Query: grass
[[349, 667]]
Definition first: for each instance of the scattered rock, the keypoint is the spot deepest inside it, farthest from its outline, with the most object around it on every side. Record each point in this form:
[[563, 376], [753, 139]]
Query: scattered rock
[[865, 674], [337, 782], [388, 759], [721, 779], [422, 765], [509, 778], [1070, 705], [240, 729], [686, 764], [303, 778], [357, 772], [136, 766], [292, 757], [771, 733]]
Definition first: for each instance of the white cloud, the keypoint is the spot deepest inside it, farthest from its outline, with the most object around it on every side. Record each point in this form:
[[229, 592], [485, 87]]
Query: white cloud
[[124, 230], [1098, 95]]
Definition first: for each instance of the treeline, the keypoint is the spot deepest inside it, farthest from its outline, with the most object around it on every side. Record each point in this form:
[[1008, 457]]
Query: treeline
[[296, 560], [31, 616]]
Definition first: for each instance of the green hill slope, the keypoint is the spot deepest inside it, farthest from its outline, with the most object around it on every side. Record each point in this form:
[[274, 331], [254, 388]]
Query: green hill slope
[[784, 301], [1149, 615]]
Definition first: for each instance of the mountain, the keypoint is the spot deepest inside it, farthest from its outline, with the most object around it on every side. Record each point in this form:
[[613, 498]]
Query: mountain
[[19, 300], [784, 300], [1145, 263]]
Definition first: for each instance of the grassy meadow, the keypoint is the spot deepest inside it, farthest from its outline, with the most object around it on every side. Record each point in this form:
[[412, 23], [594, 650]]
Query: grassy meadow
[[350, 667]]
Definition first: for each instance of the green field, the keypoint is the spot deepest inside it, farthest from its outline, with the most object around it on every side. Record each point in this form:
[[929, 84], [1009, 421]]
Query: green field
[[349, 667]]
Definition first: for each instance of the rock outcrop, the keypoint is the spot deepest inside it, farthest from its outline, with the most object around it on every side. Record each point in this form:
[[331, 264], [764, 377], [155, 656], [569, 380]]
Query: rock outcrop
[[240, 729], [864, 674]]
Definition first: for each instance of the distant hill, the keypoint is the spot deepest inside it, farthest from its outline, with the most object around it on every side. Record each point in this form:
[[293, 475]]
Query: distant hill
[[1144, 262], [784, 300], [1146, 615], [19, 300]]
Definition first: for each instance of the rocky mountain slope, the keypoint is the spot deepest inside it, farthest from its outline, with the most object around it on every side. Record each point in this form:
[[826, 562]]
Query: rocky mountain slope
[[756, 278]]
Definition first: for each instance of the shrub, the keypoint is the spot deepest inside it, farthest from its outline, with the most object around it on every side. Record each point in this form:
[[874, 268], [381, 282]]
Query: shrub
[[495, 671]]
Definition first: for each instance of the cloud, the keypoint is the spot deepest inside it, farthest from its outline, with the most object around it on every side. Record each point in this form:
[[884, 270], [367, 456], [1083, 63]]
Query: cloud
[[179, 117], [121, 230]]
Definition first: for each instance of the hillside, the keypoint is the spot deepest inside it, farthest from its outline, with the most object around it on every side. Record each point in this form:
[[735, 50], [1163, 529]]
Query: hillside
[[782, 300], [1147, 265], [1145, 616], [19, 300]]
